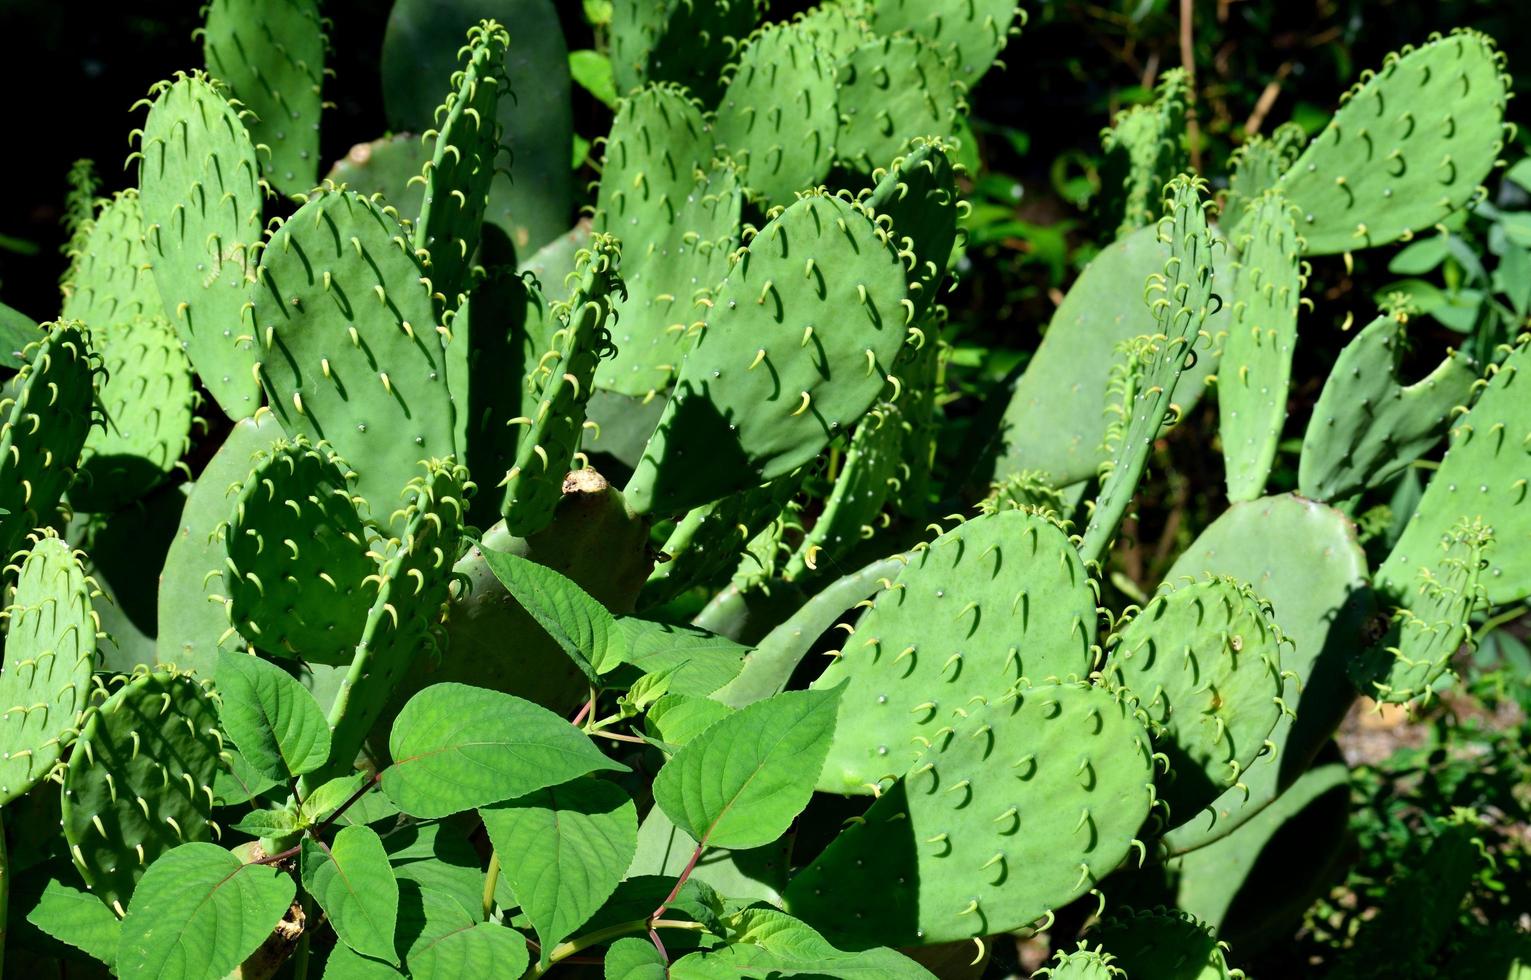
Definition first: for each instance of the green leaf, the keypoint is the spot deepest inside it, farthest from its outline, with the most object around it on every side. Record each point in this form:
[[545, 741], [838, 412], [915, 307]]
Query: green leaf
[[274, 720], [353, 882], [678, 718], [592, 70], [79, 919], [269, 823], [579, 624], [346, 963], [741, 782], [766, 942], [198, 913], [704, 661], [329, 795], [17, 330], [563, 851], [456, 747], [445, 942], [438, 857], [634, 959]]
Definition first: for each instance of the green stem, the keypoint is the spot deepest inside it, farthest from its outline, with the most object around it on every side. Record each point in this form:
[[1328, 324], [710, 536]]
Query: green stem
[[567, 949], [490, 880], [1494, 622]]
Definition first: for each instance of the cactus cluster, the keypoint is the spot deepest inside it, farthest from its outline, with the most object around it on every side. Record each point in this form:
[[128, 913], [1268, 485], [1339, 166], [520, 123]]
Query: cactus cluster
[[397, 573]]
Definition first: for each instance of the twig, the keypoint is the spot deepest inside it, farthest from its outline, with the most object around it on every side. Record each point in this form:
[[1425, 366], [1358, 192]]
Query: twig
[[1188, 62]]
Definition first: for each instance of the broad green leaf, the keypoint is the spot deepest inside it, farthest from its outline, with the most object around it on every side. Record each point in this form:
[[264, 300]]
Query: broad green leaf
[[579, 624], [329, 795], [346, 963], [353, 882], [678, 718], [639, 895], [645, 691], [442, 941], [703, 661], [563, 850], [438, 857], [456, 747], [269, 823], [634, 959], [79, 919], [274, 720], [592, 70], [766, 942], [198, 913], [239, 782], [741, 782]]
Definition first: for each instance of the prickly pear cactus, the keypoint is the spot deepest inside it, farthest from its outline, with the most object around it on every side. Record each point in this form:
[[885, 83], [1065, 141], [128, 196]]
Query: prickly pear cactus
[[139, 781], [1257, 356], [109, 279], [1256, 167], [271, 56], [1163, 944], [298, 561], [45, 424], [52, 633], [1408, 146], [977, 838], [688, 42], [918, 194], [891, 87], [1144, 148], [798, 342], [1082, 963], [998, 600], [975, 32], [201, 193], [1205, 663], [351, 350], [1482, 477], [1368, 426], [561, 383]]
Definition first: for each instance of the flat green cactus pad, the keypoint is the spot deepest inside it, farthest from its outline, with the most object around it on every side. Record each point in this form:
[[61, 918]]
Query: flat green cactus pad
[[386, 166], [890, 88], [298, 562], [838, 28], [798, 343], [1367, 426], [1017, 809], [1482, 477], [976, 30], [1082, 963], [140, 780], [50, 652], [271, 56], [688, 42], [1163, 944], [350, 347], [1056, 420], [110, 281], [918, 194], [148, 402], [778, 115], [1205, 663], [43, 427], [1256, 167], [1144, 147], [1302, 557], [998, 599], [192, 611], [200, 189], [1257, 357], [1407, 147]]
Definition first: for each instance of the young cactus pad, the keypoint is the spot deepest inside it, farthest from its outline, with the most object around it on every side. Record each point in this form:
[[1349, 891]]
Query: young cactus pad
[[891, 87], [1407, 148], [975, 31], [50, 652], [798, 343], [109, 280], [1017, 809], [1205, 663], [918, 194], [202, 197], [1000, 599], [350, 347]]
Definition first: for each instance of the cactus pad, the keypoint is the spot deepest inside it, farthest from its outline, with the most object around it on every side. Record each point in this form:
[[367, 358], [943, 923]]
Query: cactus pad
[[918, 193], [1144, 148], [298, 565], [891, 87], [271, 57], [1205, 663], [50, 652], [798, 343], [976, 30], [149, 405], [350, 348], [201, 193], [1367, 427], [1019, 808], [1483, 476], [43, 427], [996, 600], [1082, 963], [688, 42], [1256, 167], [110, 281], [561, 382], [140, 780], [1163, 944], [1257, 357], [778, 115], [1407, 147]]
